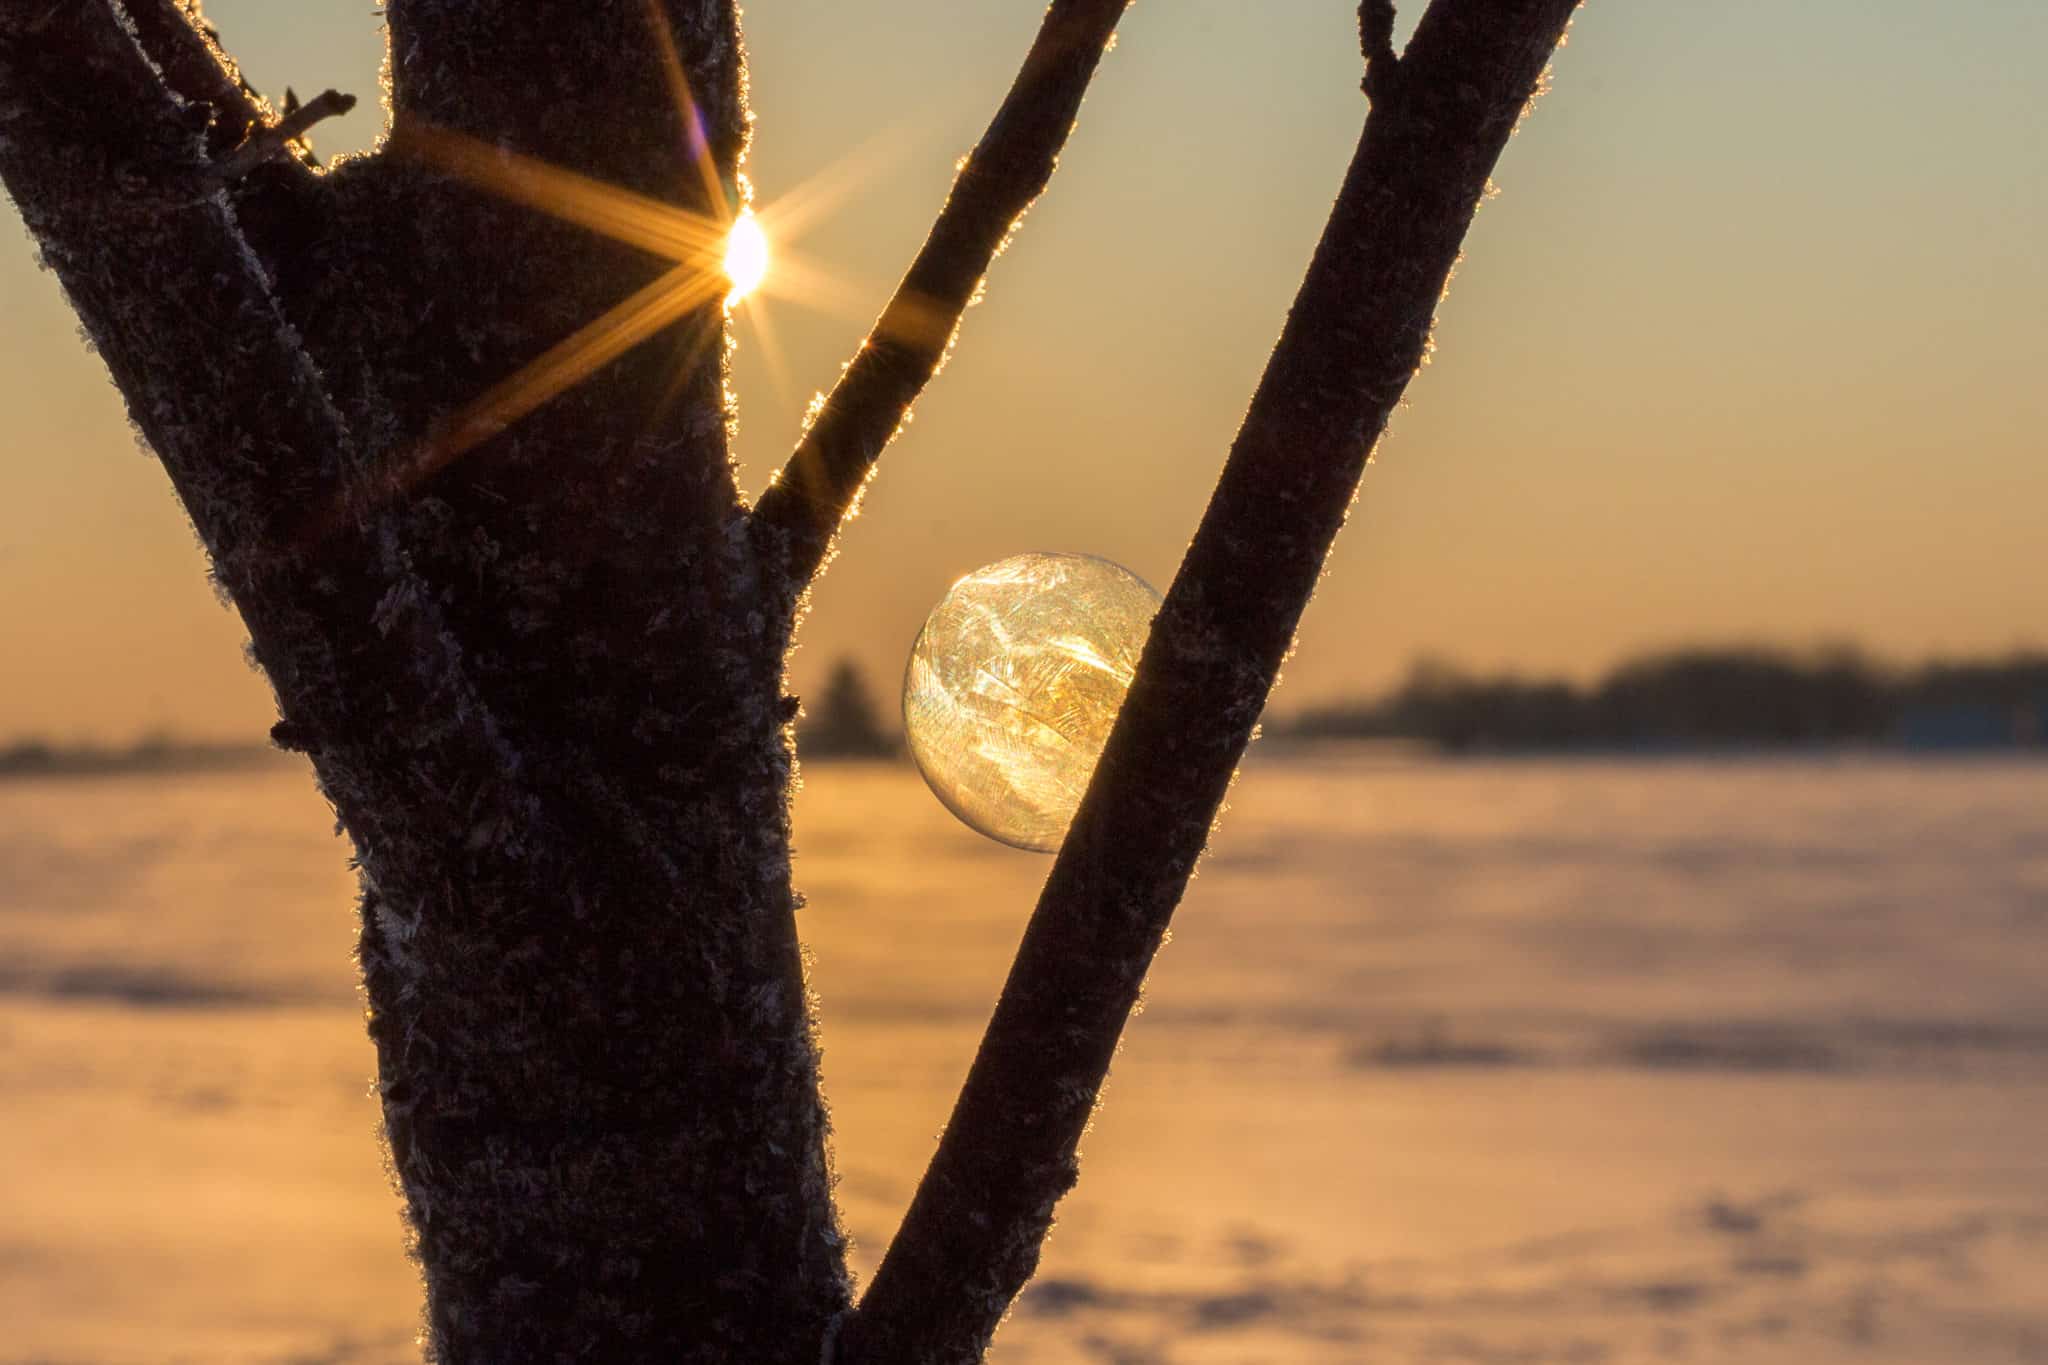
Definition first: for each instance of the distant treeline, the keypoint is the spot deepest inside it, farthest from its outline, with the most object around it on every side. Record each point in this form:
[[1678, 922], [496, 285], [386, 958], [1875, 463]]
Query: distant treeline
[[1683, 699], [36, 757], [1710, 698]]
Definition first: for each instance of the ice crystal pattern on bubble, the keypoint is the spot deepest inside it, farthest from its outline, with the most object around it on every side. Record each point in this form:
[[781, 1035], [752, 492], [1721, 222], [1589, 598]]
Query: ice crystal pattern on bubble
[[1013, 685]]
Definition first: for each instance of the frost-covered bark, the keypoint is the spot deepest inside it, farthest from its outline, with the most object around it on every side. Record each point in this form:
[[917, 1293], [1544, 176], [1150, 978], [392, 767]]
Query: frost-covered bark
[[542, 683], [539, 686]]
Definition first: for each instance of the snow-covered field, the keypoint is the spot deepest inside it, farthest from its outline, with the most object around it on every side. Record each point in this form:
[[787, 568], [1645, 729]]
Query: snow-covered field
[[1447, 1061]]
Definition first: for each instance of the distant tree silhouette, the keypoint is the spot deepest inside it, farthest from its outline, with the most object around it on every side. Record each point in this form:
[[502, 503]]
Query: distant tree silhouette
[[844, 725], [542, 682]]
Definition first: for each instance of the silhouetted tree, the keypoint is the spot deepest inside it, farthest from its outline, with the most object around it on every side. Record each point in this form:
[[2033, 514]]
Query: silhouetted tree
[[542, 684], [844, 724]]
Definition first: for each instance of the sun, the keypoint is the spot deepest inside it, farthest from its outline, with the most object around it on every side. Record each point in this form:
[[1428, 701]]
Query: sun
[[722, 249], [746, 256]]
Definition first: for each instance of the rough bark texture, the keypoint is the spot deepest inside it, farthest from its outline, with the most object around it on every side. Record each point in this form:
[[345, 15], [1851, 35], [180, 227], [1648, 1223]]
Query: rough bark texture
[[1356, 334], [542, 683]]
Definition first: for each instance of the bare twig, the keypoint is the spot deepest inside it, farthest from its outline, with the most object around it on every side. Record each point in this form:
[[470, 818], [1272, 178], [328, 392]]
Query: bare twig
[[1356, 334], [798, 515], [270, 142]]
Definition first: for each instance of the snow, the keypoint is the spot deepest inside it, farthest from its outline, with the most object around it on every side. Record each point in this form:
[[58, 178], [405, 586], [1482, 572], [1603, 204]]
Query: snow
[[1535, 1060]]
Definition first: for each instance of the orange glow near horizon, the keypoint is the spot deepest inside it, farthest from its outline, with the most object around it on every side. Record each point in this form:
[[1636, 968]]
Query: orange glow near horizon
[[1653, 423]]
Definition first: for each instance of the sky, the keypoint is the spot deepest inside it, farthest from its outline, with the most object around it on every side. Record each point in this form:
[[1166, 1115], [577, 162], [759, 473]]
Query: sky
[[1746, 349]]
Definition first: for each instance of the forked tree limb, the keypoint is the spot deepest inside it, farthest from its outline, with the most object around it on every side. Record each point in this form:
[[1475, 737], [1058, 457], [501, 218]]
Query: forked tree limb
[[1357, 332], [713, 1237], [797, 516]]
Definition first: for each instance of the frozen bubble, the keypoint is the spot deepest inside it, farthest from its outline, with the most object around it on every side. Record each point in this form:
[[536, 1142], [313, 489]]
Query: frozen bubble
[[1014, 683]]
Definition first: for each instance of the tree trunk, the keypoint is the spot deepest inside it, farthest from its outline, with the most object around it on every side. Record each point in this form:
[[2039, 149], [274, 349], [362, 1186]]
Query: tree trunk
[[594, 1053], [537, 683]]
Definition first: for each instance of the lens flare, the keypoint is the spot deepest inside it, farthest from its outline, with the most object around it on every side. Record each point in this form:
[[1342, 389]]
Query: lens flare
[[746, 256], [710, 250]]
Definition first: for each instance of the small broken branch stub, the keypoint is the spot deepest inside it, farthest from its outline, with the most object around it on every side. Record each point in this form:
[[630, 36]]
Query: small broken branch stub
[[268, 143]]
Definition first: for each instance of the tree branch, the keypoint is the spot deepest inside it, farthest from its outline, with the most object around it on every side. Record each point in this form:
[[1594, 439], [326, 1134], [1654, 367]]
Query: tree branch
[[1357, 331], [797, 515], [109, 168], [196, 69]]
